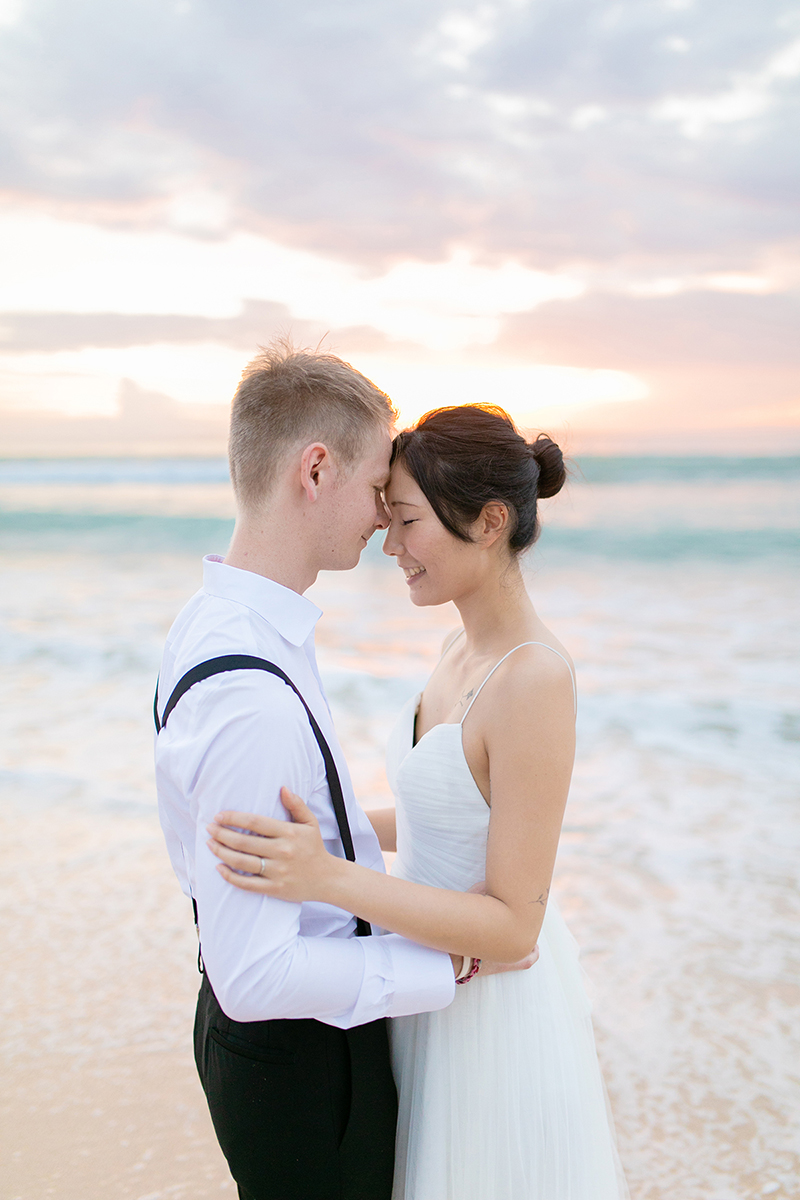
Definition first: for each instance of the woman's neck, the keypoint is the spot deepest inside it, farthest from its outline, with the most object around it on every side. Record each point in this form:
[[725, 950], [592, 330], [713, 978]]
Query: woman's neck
[[498, 610]]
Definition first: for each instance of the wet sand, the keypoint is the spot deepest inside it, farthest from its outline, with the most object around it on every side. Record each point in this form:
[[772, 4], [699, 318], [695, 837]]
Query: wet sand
[[100, 1096], [133, 1126]]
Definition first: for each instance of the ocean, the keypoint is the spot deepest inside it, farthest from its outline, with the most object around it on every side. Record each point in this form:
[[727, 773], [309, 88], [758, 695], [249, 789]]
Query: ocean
[[675, 584]]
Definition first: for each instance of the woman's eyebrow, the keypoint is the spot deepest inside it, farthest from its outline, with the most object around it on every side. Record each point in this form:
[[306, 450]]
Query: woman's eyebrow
[[406, 503]]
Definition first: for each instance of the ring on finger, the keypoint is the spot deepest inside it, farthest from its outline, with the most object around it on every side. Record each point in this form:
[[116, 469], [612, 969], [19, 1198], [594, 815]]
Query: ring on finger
[[263, 867]]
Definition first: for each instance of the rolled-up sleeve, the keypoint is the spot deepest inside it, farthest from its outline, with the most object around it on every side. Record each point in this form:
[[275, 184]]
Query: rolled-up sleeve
[[236, 744]]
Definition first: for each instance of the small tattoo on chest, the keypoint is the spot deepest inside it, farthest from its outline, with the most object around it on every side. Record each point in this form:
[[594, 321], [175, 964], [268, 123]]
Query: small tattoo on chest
[[464, 699]]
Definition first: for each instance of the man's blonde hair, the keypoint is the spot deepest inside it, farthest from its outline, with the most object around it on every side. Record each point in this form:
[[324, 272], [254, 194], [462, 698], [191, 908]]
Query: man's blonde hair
[[288, 398]]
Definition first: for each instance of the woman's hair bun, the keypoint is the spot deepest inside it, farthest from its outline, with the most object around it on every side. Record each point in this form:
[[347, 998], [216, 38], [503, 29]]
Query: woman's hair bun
[[469, 455], [550, 460]]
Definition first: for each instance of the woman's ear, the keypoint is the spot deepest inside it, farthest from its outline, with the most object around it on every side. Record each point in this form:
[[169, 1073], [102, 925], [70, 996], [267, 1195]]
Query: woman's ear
[[493, 522]]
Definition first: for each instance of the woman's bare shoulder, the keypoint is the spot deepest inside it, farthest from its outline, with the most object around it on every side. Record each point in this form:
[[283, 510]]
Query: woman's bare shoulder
[[539, 670]]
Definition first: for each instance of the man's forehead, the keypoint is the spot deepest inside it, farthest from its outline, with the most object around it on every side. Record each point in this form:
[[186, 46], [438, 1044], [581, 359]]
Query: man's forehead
[[381, 459]]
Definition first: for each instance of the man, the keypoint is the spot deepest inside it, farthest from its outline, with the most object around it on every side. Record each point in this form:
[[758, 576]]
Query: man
[[290, 1036]]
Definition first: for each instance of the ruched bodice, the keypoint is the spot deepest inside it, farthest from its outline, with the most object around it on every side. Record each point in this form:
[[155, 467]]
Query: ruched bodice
[[442, 818]]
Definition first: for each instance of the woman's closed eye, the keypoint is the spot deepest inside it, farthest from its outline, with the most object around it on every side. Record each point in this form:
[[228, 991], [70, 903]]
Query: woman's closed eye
[[410, 521]]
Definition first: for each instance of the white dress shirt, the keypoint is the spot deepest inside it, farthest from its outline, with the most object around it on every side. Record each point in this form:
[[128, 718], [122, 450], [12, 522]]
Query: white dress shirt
[[231, 743]]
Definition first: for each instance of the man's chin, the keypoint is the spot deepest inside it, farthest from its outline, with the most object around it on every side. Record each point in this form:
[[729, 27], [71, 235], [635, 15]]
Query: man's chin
[[347, 564]]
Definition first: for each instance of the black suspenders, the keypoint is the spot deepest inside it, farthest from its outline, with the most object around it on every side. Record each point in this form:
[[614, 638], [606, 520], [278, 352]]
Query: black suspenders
[[247, 662]]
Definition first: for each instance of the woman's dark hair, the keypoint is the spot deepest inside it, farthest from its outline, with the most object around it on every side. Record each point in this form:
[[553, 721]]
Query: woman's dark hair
[[468, 455]]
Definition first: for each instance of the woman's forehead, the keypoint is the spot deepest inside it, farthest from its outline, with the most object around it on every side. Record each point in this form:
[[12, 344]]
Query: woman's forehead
[[402, 487]]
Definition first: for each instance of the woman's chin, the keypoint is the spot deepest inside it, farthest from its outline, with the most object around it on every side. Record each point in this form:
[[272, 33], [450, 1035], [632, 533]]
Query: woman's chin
[[424, 597]]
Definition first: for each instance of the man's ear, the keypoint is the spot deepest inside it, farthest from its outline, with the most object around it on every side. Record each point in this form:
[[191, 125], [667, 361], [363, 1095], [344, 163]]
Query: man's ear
[[493, 522], [315, 464]]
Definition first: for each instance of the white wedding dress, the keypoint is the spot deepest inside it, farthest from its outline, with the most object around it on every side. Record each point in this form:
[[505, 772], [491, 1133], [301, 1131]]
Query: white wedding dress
[[500, 1095]]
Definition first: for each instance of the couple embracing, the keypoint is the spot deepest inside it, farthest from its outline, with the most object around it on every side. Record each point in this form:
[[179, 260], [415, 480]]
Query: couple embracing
[[424, 1035]]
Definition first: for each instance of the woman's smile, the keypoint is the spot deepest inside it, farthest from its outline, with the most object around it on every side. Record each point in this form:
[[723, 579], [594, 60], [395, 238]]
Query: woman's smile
[[413, 572]]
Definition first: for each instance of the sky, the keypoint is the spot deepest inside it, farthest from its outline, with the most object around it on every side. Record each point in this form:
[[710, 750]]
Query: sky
[[586, 211]]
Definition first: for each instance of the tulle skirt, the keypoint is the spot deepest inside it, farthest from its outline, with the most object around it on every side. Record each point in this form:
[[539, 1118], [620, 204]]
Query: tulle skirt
[[501, 1095]]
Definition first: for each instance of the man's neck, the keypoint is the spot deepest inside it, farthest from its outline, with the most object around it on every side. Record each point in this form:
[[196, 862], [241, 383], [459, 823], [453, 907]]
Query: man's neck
[[254, 547]]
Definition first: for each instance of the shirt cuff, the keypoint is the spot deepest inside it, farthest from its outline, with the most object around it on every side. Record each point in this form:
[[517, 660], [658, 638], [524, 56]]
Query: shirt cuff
[[399, 978], [423, 978]]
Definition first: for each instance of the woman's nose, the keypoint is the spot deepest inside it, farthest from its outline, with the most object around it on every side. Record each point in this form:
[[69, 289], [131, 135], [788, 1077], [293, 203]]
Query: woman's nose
[[390, 543]]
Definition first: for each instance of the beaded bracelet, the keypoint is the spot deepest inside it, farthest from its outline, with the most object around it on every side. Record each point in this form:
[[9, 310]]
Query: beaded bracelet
[[472, 972]]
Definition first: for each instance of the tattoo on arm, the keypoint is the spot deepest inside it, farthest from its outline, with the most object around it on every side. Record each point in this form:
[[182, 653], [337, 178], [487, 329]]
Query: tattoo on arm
[[542, 899]]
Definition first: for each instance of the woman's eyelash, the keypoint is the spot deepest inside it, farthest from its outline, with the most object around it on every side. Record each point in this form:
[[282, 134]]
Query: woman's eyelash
[[410, 521]]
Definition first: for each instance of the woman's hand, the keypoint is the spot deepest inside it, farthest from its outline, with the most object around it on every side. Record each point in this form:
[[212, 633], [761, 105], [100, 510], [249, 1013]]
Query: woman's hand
[[288, 860], [284, 859], [524, 964]]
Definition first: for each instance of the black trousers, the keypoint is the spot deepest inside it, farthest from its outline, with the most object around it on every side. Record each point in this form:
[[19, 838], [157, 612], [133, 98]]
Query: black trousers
[[302, 1111]]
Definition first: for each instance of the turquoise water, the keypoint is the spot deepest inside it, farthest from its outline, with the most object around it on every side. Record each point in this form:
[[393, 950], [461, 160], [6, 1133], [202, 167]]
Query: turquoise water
[[653, 509], [113, 470], [626, 469], [118, 532], [594, 469]]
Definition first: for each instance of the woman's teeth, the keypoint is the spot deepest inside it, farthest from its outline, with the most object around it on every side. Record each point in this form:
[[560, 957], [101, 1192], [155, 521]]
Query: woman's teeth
[[412, 571]]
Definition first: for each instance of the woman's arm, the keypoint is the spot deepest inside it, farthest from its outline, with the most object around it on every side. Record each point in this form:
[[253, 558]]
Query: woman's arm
[[384, 822], [529, 739]]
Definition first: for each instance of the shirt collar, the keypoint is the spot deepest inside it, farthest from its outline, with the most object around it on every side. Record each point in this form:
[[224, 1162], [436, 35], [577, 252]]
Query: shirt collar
[[291, 614]]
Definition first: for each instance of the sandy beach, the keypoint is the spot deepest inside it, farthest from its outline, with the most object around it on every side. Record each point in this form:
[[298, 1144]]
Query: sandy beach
[[677, 871], [100, 1095]]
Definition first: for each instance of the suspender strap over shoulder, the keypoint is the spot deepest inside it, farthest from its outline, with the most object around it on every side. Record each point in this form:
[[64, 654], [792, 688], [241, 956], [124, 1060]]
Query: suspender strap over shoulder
[[248, 662]]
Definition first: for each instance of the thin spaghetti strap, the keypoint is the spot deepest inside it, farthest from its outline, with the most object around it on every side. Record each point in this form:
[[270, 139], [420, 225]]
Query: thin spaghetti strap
[[452, 642], [503, 659]]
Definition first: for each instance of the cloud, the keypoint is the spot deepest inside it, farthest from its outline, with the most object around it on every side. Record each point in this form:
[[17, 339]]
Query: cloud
[[142, 422], [551, 131], [27, 332], [601, 188], [748, 95], [690, 329], [83, 268], [721, 368]]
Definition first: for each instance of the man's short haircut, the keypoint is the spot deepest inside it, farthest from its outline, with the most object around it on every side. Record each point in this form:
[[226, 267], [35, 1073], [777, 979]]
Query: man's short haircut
[[288, 398]]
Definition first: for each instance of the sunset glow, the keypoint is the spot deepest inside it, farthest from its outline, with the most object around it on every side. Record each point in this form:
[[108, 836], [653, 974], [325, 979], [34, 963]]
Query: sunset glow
[[586, 244]]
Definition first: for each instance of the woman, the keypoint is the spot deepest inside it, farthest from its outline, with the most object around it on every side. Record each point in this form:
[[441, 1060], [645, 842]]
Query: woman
[[500, 1095]]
